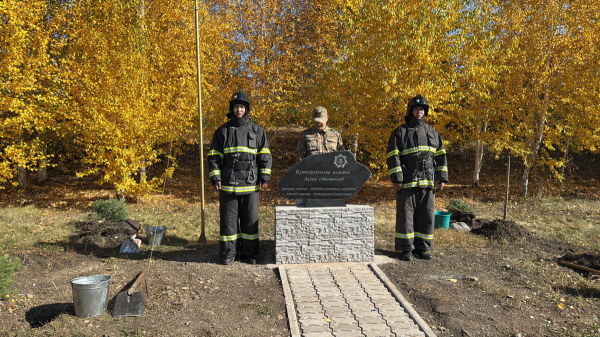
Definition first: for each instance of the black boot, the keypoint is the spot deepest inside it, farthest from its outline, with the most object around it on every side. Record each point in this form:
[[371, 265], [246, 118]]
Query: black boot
[[249, 259], [407, 256], [423, 255], [228, 259]]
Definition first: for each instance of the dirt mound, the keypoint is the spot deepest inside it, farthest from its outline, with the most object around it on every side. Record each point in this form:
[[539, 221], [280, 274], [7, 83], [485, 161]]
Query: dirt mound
[[584, 260], [499, 230], [107, 235], [460, 216]]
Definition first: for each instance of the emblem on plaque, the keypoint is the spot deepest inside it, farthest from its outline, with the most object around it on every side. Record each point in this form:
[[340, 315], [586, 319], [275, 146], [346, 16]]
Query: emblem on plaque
[[340, 161]]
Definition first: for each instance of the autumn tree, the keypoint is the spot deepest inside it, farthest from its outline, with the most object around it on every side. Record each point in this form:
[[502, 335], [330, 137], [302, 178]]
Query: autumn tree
[[391, 51], [29, 91], [472, 115], [114, 82], [281, 46], [130, 77], [548, 84]]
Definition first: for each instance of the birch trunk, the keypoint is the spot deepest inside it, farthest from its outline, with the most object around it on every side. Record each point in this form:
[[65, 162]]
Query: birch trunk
[[535, 144], [478, 155]]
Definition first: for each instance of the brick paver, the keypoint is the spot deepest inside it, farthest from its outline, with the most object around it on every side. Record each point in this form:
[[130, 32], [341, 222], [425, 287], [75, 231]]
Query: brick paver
[[346, 300]]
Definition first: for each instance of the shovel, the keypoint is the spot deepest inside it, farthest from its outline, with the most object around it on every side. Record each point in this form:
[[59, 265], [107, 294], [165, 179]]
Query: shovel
[[130, 302]]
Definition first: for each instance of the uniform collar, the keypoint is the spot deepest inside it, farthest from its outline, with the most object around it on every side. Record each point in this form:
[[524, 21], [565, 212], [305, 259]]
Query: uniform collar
[[414, 122]]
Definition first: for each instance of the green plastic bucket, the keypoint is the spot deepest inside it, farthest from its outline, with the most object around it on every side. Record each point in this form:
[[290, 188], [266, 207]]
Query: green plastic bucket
[[442, 219]]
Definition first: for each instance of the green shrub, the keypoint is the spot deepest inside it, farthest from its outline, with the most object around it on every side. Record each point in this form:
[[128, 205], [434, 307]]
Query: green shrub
[[8, 266], [111, 210], [459, 205]]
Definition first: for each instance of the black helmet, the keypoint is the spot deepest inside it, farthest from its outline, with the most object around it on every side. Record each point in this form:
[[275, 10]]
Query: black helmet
[[414, 102], [239, 98]]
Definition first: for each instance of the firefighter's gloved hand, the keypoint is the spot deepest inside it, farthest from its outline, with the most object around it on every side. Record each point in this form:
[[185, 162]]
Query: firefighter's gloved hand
[[264, 185], [217, 185], [441, 185], [398, 187]]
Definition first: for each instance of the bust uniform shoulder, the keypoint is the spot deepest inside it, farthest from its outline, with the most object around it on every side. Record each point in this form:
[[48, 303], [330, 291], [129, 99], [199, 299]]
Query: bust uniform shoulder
[[333, 131], [309, 131], [401, 129], [254, 126], [430, 129]]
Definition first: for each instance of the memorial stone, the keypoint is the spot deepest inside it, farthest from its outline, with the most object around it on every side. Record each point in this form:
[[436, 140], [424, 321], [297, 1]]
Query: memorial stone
[[325, 229], [329, 176]]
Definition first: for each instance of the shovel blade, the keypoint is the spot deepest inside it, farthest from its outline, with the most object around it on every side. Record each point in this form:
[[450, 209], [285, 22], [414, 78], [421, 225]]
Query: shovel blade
[[129, 305]]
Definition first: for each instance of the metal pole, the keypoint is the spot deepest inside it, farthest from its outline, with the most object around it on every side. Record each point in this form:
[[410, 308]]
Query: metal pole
[[507, 184], [201, 144]]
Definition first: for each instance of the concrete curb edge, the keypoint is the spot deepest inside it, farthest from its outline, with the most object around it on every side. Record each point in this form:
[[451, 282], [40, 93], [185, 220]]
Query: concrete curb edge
[[289, 303], [407, 307]]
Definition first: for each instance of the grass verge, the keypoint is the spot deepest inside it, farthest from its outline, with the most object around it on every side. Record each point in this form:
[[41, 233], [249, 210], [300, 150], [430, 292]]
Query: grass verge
[[8, 265], [575, 221]]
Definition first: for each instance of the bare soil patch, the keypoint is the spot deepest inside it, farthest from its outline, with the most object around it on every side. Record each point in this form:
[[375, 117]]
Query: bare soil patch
[[499, 230], [107, 235], [585, 260], [504, 288], [187, 294]]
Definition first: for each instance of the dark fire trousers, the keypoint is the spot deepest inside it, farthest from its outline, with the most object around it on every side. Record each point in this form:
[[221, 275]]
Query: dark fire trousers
[[415, 214], [239, 236]]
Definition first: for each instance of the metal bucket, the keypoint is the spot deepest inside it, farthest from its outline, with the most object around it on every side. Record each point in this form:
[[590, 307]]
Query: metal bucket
[[90, 295], [156, 235]]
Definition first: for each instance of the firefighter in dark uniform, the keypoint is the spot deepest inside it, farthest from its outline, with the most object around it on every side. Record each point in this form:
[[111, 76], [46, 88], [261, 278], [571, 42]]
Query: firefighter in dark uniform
[[416, 160], [240, 166]]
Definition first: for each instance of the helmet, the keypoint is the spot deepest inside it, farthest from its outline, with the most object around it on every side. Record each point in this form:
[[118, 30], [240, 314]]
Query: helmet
[[239, 98], [414, 102]]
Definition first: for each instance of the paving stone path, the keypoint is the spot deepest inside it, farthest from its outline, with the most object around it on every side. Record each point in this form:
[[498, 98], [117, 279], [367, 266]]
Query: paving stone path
[[346, 300]]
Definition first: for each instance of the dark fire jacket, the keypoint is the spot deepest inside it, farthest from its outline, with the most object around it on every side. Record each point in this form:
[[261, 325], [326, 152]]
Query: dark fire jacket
[[416, 156], [239, 158]]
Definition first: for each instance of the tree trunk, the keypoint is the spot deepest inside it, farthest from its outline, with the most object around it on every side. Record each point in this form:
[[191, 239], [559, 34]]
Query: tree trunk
[[525, 181], [565, 158], [355, 144], [42, 165], [478, 156], [22, 176], [535, 144], [143, 171]]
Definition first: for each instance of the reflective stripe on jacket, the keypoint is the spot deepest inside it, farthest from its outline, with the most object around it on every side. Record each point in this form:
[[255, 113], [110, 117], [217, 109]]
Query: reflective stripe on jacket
[[239, 158], [416, 156]]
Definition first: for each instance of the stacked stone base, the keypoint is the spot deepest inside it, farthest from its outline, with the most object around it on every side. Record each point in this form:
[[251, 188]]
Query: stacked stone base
[[324, 234]]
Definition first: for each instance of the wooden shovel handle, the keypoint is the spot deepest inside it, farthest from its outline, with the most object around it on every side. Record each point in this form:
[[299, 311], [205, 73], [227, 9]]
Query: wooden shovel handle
[[576, 266], [137, 281]]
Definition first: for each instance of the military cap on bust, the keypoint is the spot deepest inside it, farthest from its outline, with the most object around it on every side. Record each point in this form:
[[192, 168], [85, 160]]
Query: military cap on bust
[[320, 114]]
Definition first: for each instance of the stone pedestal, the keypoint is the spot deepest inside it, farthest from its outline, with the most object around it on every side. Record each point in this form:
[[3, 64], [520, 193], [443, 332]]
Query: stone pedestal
[[324, 234]]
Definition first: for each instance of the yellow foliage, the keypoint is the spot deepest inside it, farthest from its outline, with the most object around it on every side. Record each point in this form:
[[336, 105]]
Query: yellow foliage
[[130, 74], [112, 86], [27, 85]]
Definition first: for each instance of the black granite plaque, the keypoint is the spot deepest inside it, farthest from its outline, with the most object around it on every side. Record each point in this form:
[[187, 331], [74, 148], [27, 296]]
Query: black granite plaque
[[334, 175]]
